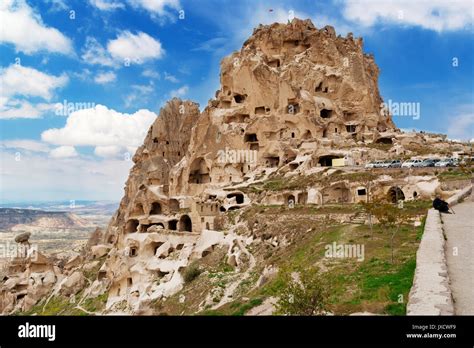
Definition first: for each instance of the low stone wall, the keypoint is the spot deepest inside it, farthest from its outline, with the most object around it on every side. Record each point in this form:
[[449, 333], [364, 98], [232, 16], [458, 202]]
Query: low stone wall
[[431, 293], [455, 199]]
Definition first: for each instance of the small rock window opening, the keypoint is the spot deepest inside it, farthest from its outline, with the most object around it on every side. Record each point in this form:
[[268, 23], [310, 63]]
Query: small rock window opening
[[185, 224], [155, 208], [250, 138], [167, 142], [131, 226], [335, 130], [384, 140], [129, 282], [361, 192], [325, 113], [239, 197], [155, 140], [274, 63], [173, 225], [156, 246], [415, 194], [292, 134], [260, 110], [272, 161], [326, 161], [239, 98], [350, 128], [325, 133], [133, 252]]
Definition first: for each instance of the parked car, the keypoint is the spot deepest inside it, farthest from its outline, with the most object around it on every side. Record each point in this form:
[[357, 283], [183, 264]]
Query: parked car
[[373, 164], [447, 162], [412, 163], [395, 164], [383, 164], [429, 162]]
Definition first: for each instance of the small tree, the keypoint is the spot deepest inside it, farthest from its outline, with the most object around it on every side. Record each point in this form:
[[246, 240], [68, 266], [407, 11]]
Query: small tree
[[391, 218], [305, 296]]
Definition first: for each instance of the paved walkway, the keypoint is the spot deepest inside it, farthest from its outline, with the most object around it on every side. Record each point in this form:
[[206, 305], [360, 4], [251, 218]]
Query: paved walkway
[[459, 230]]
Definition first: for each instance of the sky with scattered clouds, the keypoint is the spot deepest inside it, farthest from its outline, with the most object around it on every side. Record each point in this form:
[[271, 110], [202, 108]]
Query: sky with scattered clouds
[[82, 80]]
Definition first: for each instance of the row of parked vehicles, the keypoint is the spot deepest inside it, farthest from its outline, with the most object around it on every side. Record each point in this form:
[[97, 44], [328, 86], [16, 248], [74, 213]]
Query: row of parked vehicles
[[414, 163]]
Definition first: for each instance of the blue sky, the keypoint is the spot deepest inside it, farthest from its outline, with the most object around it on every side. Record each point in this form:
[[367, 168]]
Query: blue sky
[[125, 58]]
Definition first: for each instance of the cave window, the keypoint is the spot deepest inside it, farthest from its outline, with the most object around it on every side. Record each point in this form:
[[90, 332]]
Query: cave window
[[272, 161], [185, 223], [335, 130], [129, 282], [361, 192], [163, 154], [167, 142], [133, 252], [325, 113], [326, 161], [319, 87], [260, 110], [131, 226], [274, 63], [239, 98], [292, 134], [155, 208], [325, 133], [173, 225], [395, 194], [239, 197], [250, 138], [179, 153], [350, 128], [155, 140]]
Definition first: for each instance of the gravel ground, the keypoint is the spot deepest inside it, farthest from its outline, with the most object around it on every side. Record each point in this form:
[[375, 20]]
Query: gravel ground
[[459, 230]]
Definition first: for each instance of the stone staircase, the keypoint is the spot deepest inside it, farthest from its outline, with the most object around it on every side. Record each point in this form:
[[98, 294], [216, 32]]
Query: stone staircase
[[360, 218]]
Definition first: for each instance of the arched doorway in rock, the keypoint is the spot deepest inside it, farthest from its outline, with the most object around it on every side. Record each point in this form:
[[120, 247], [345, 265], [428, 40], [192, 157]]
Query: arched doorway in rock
[[185, 224], [239, 197], [155, 208], [290, 200], [384, 140], [395, 194], [131, 226], [138, 210], [326, 161], [173, 225]]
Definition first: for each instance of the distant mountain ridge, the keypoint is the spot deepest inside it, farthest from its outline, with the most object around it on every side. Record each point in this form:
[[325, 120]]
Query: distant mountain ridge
[[11, 218]]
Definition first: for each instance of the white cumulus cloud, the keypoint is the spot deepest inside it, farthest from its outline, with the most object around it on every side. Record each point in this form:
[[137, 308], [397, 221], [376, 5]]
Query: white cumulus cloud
[[63, 152], [25, 29], [180, 92], [105, 77], [106, 5], [104, 128], [135, 47], [20, 80], [155, 7], [438, 15]]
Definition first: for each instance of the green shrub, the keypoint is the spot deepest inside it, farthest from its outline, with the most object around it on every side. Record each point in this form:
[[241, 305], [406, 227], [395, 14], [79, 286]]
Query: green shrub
[[192, 272]]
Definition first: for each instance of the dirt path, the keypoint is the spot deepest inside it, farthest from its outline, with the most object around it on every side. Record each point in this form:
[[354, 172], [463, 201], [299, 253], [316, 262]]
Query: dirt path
[[459, 230]]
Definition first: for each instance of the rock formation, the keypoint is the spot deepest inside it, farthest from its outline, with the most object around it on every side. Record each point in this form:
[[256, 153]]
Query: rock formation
[[294, 100]]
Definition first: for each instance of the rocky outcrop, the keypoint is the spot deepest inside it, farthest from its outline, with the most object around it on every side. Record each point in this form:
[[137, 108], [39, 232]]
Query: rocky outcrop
[[293, 101]]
